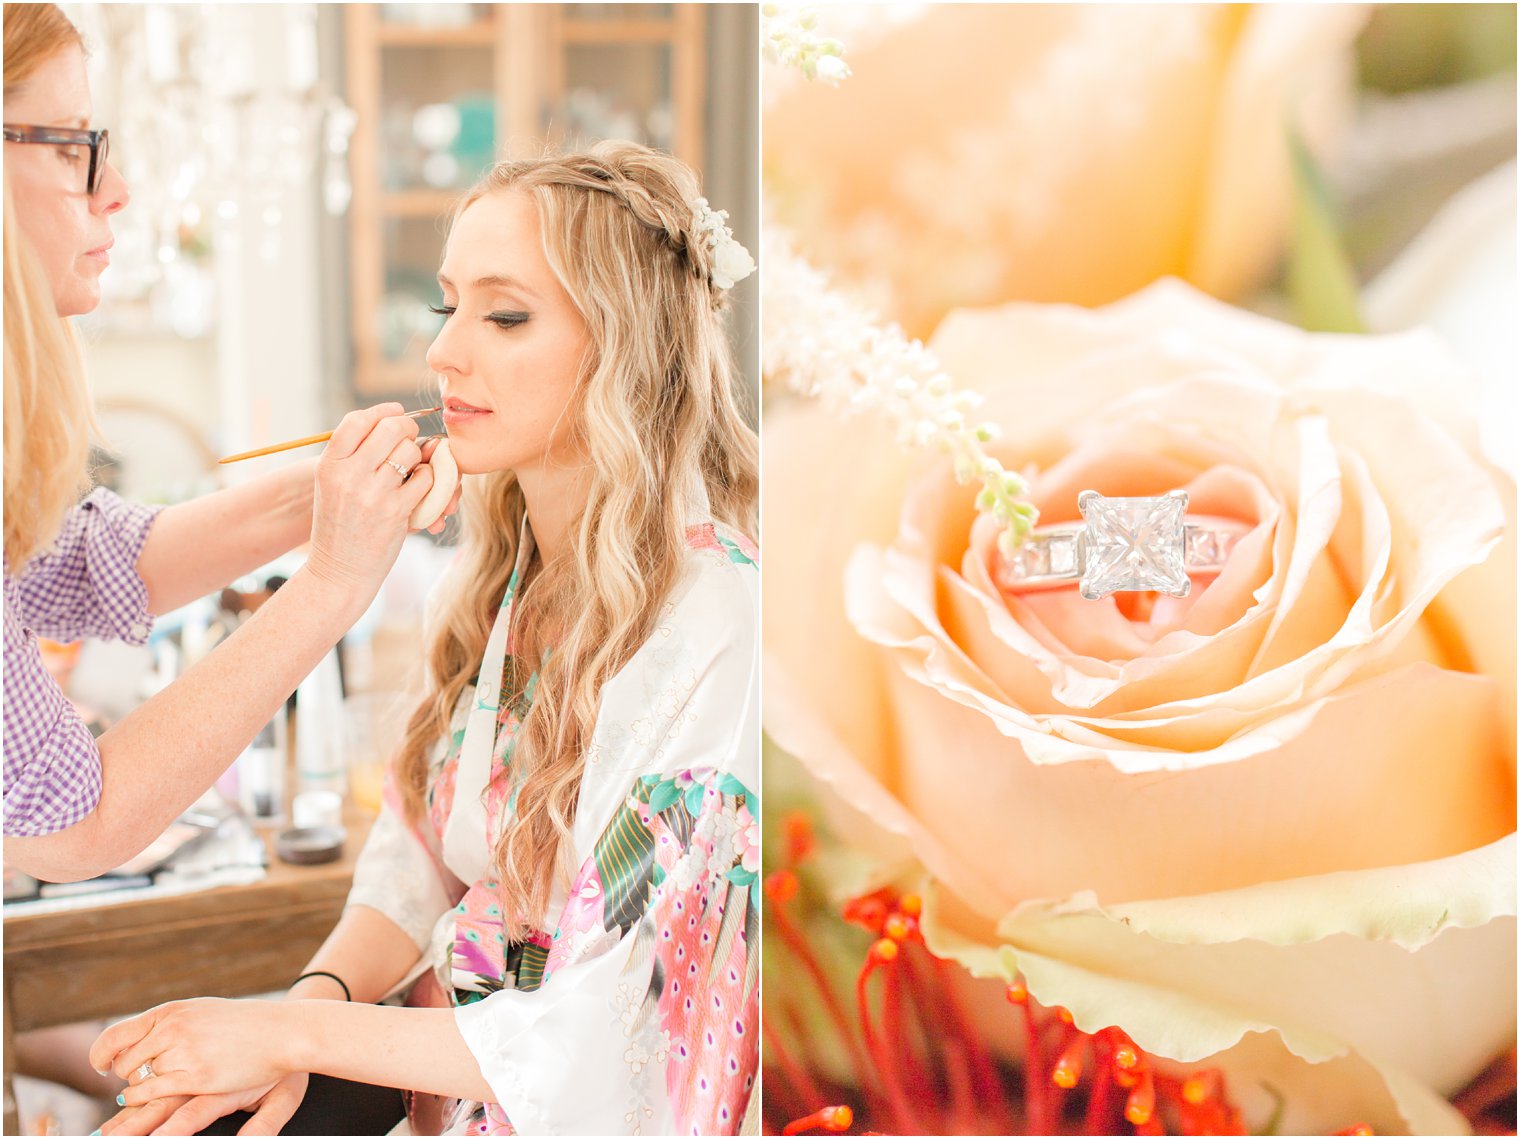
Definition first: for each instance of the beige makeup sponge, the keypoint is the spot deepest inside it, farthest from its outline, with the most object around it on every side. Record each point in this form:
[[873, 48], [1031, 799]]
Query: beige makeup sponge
[[445, 483]]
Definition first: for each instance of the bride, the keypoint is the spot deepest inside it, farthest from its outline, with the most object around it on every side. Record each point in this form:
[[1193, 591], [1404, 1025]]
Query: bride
[[563, 877]]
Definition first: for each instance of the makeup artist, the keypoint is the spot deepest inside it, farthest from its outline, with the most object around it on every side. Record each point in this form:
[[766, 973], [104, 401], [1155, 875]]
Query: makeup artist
[[101, 567]]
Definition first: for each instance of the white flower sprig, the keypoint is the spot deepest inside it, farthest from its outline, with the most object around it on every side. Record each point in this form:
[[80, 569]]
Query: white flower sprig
[[820, 343], [731, 262], [789, 37]]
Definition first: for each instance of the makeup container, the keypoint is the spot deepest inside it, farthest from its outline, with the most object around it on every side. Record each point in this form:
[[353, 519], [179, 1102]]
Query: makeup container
[[321, 743], [306, 846], [317, 809], [261, 774]]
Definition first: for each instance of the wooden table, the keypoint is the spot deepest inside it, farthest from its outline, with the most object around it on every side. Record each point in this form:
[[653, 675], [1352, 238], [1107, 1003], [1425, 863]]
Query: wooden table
[[115, 960]]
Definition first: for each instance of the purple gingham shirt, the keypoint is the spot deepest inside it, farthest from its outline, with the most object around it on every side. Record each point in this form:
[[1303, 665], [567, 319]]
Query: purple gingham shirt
[[85, 585]]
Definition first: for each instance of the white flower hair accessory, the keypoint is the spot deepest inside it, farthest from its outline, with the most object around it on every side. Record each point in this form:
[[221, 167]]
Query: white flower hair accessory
[[731, 262]]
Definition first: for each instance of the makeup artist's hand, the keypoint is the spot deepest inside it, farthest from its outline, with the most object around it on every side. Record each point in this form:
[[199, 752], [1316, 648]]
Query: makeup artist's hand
[[272, 1106], [363, 499]]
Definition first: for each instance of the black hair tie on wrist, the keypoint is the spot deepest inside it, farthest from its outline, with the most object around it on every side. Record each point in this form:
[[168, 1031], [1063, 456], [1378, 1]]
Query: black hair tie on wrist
[[347, 996]]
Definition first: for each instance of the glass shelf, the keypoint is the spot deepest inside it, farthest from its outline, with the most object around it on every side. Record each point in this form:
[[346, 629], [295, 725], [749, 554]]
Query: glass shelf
[[403, 326], [617, 13], [399, 35], [437, 117], [419, 203], [407, 19], [443, 90], [617, 91]]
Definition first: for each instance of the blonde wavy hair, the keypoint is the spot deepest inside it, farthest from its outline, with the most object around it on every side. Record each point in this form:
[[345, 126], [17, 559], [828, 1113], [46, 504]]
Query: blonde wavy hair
[[49, 420], [657, 410]]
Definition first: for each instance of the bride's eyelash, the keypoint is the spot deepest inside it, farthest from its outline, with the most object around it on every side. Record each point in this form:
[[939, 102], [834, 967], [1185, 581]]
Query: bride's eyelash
[[500, 319]]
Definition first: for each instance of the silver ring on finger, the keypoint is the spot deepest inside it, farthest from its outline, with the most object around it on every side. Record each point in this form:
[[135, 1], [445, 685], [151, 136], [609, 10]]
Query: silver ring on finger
[[404, 472], [144, 1071]]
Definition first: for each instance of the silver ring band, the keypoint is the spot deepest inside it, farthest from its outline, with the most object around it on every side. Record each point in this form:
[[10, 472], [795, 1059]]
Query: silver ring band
[[404, 472], [1122, 544]]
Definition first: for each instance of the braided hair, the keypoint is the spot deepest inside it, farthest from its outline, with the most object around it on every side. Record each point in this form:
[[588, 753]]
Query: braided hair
[[659, 413], [657, 190]]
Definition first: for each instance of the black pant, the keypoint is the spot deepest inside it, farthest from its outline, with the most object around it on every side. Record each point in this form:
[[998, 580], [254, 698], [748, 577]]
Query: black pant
[[332, 1107]]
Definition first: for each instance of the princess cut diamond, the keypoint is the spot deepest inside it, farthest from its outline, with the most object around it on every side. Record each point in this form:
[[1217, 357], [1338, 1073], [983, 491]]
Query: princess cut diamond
[[1063, 553], [1133, 544], [1037, 558], [1202, 546]]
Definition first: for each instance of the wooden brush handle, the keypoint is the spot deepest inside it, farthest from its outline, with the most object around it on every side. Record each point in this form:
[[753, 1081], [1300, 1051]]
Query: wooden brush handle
[[308, 440]]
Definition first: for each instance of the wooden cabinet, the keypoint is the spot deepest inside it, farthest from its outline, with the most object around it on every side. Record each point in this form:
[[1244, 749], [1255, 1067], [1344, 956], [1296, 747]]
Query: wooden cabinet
[[443, 90]]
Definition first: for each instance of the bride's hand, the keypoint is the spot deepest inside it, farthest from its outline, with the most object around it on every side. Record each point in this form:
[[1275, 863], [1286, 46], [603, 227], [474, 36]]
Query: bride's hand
[[272, 1107], [143, 1120], [198, 1047]]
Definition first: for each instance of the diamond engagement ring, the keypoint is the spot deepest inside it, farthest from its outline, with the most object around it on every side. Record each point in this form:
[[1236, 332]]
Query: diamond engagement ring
[[145, 1071], [1123, 544], [399, 469]]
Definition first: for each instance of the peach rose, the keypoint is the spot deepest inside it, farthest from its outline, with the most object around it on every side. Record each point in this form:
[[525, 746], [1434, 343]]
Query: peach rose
[[986, 153], [1272, 820]]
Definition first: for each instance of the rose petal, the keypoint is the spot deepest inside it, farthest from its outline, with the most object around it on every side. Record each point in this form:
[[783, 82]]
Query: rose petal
[[1369, 791], [1407, 905], [803, 619], [871, 820], [1262, 1078], [1350, 962], [1473, 618]]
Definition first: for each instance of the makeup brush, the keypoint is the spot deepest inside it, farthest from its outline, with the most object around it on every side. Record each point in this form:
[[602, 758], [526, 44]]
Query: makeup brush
[[308, 440]]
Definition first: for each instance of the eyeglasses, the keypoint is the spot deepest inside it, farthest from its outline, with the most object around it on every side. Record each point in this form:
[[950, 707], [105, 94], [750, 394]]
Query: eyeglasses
[[99, 143]]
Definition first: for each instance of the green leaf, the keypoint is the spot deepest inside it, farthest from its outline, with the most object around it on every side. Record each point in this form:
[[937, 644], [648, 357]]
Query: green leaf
[[694, 795], [663, 796], [740, 876], [1407, 47], [1320, 281], [730, 784], [735, 554]]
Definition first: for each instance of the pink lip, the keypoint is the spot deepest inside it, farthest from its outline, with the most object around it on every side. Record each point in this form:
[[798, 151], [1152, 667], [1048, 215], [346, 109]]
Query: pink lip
[[102, 252], [456, 412]]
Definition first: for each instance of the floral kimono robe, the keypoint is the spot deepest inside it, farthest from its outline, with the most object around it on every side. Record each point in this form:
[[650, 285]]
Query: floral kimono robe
[[632, 1009]]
